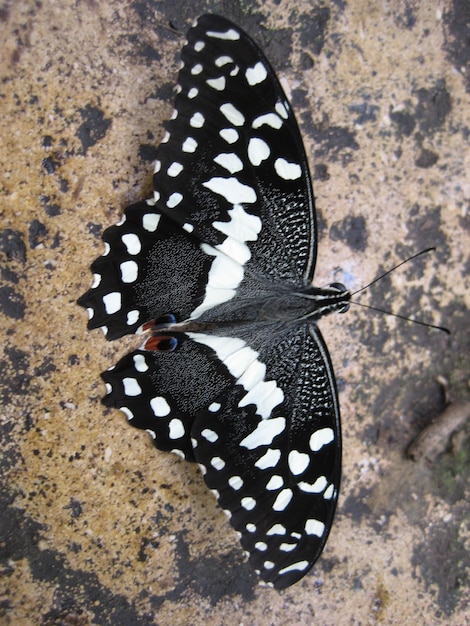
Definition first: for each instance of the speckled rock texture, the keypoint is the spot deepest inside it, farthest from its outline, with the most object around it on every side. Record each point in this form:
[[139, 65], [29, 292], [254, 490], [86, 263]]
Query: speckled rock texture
[[96, 526]]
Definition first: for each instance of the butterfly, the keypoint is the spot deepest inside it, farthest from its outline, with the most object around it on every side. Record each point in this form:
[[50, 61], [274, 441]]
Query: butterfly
[[215, 270]]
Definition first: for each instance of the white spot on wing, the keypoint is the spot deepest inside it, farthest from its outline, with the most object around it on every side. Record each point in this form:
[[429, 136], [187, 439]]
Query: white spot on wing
[[299, 566], [140, 363], [217, 463], [150, 222], [274, 483], [231, 189], [242, 226], [160, 406], [230, 34], [314, 527], [248, 503], [217, 83], [229, 161], [174, 169], [255, 75], [176, 429], [320, 438], [329, 493], [132, 243], [197, 120], [298, 462], [277, 529], [270, 119], [132, 317], [282, 500], [223, 60], [233, 115], [258, 151], [269, 459], [189, 145], [174, 200], [131, 387], [230, 135], [286, 170], [197, 69], [112, 302], [287, 547], [209, 435], [192, 93], [127, 412], [265, 396], [281, 110], [129, 271], [317, 487], [264, 433], [235, 482]]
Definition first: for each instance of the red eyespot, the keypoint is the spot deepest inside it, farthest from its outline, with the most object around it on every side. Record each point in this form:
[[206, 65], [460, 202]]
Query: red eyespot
[[161, 343]]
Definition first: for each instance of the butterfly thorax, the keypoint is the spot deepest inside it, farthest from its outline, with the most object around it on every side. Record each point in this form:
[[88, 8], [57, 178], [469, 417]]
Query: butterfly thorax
[[307, 303]]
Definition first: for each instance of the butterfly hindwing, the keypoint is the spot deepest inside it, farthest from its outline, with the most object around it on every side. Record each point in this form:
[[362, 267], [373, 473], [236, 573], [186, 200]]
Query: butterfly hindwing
[[261, 418], [271, 450]]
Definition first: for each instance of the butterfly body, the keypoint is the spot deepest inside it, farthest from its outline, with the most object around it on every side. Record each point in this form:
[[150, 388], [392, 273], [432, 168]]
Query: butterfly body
[[216, 272]]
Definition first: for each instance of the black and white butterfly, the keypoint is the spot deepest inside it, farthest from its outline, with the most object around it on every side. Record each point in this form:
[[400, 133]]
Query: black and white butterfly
[[216, 270]]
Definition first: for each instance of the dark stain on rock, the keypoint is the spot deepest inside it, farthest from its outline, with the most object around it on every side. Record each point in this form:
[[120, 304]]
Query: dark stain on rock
[[143, 49], [456, 21], [434, 105], [365, 112], [36, 233], [15, 380], [12, 245], [49, 165], [213, 577], [75, 508], [443, 562], [20, 538], [51, 209], [403, 121], [94, 229], [356, 507], [426, 158], [406, 18], [320, 171], [147, 152], [12, 303], [45, 368], [352, 229], [424, 229], [94, 126], [333, 141], [9, 275], [313, 29]]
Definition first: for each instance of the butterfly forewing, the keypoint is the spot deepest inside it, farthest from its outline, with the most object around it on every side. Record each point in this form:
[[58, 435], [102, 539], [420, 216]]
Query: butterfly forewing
[[235, 141], [241, 384]]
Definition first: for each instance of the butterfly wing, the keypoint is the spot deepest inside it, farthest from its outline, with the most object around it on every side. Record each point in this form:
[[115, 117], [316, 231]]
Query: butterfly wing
[[232, 175], [257, 409], [271, 450], [235, 141]]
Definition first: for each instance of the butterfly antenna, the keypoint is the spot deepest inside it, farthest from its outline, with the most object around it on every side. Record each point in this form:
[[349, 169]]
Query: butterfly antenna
[[393, 269], [402, 317]]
